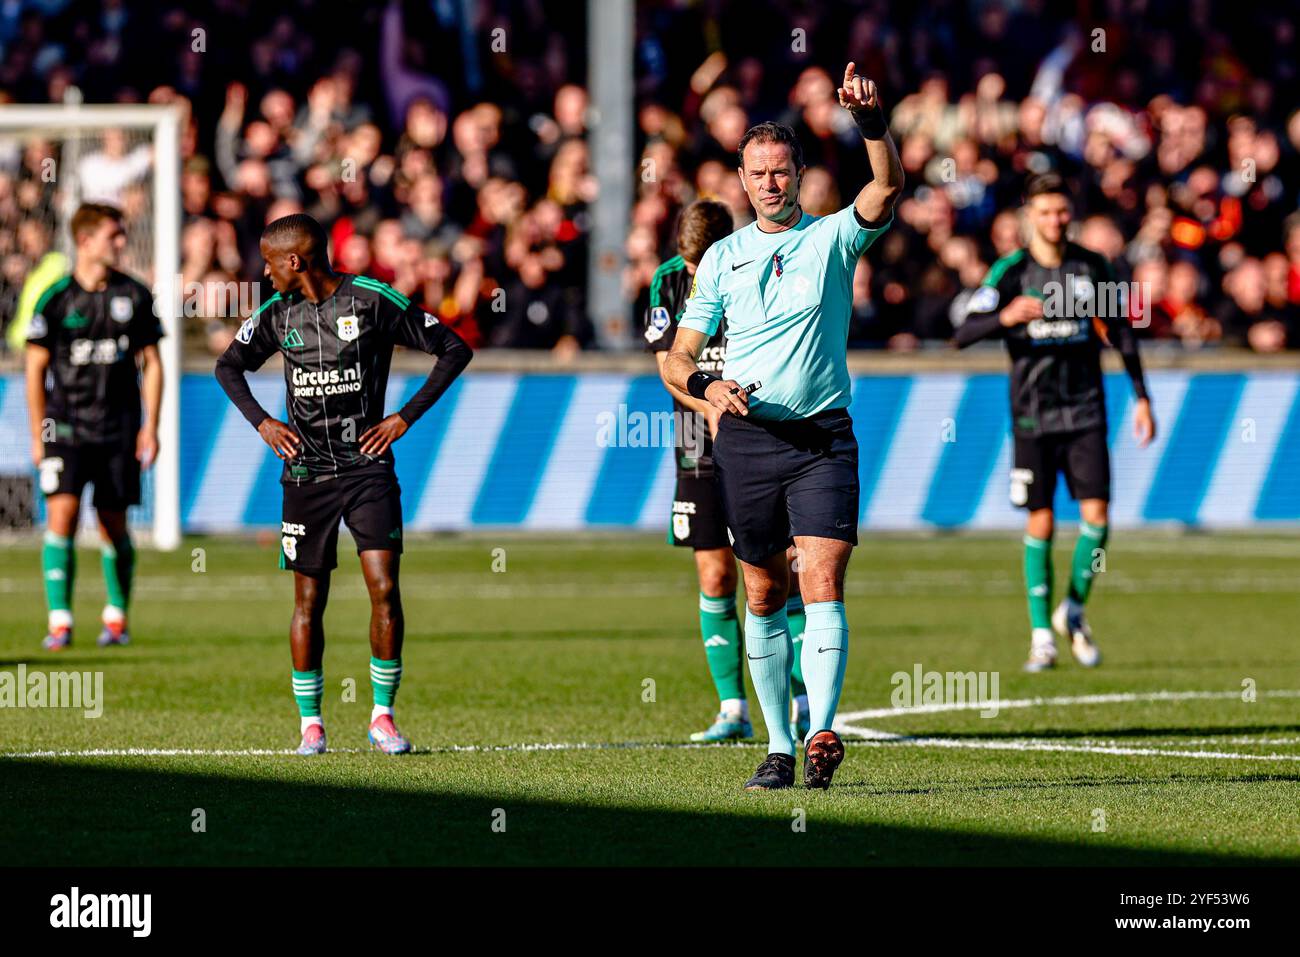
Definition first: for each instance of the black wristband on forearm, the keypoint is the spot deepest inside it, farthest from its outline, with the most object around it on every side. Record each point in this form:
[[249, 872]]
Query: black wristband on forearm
[[699, 382], [871, 123]]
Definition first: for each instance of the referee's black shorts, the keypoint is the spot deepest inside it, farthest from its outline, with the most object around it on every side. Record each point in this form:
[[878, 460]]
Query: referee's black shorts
[[779, 480], [1084, 457]]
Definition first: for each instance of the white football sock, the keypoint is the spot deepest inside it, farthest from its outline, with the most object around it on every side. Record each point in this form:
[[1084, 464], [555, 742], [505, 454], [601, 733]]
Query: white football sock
[[735, 706], [377, 710], [306, 723]]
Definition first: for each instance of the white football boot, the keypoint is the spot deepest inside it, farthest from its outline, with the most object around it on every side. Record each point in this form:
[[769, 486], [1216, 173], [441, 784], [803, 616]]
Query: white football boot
[[1068, 621]]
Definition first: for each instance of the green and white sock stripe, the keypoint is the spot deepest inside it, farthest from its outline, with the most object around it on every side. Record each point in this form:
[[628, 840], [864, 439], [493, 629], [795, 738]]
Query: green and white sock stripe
[[718, 606], [1038, 581], [1092, 538], [59, 568], [118, 562], [794, 614], [308, 689], [385, 676], [720, 631]]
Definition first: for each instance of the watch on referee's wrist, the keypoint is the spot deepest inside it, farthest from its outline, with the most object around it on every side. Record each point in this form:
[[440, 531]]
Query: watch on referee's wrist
[[699, 382]]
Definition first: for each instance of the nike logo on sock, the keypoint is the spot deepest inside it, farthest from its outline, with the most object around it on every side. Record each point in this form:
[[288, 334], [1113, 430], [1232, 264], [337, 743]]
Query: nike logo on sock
[[824, 650], [761, 657]]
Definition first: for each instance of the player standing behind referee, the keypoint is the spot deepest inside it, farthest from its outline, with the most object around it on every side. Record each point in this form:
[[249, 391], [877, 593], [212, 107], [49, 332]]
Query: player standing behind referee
[[91, 338], [697, 520], [1058, 400], [786, 458], [336, 334]]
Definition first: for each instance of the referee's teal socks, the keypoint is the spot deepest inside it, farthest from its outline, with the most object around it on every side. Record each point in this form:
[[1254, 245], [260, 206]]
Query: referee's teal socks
[[825, 653], [767, 641]]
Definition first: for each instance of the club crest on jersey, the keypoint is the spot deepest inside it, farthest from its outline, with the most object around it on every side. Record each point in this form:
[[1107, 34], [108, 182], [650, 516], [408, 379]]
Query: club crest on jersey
[[120, 308], [659, 323], [349, 328]]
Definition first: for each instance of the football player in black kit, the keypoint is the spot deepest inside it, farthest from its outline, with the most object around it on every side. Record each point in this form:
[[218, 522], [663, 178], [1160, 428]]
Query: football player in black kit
[[1055, 304], [92, 355], [697, 519], [336, 334]]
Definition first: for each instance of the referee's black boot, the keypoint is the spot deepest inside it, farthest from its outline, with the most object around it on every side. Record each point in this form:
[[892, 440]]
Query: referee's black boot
[[776, 772]]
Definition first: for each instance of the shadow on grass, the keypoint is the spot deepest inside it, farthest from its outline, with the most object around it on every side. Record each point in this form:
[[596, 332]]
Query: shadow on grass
[[77, 814]]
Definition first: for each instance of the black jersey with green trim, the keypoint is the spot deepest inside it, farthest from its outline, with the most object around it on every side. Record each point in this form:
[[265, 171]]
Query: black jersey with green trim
[[337, 354], [669, 290], [1056, 377], [92, 387]]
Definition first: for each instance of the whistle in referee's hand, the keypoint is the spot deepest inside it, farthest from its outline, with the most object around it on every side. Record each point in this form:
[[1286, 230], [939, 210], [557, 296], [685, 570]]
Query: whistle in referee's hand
[[749, 389]]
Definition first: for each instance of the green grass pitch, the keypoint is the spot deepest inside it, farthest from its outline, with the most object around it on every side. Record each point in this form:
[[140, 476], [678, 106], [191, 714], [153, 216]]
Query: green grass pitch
[[507, 670]]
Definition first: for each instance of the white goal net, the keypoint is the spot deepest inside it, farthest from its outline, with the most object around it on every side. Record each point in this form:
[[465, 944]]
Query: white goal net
[[52, 159]]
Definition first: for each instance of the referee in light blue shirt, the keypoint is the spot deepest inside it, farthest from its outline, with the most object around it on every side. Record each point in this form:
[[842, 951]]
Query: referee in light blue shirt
[[785, 458]]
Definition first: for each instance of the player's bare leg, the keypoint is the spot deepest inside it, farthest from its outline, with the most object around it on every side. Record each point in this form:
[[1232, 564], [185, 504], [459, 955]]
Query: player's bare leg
[[1068, 620], [715, 568], [823, 563], [307, 647], [59, 566], [387, 630], [1039, 528], [117, 556]]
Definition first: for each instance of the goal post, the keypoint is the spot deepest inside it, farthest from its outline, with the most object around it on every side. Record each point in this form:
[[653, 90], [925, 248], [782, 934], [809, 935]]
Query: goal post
[[75, 130]]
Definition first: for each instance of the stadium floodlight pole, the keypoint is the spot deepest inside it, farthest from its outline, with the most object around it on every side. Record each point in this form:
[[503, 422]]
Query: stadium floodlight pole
[[611, 29], [163, 122]]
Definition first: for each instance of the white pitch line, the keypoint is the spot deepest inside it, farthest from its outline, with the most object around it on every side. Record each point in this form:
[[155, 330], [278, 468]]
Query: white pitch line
[[1117, 698], [867, 736], [1029, 744], [525, 747]]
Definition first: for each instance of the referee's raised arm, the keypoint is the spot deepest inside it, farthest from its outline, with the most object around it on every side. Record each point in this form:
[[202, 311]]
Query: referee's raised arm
[[875, 201], [699, 323]]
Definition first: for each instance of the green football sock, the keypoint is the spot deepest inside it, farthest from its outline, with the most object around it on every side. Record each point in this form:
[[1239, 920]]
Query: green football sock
[[826, 651], [59, 566], [1038, 580], [118, 559], [308, 688], [385, 676], [720, 629], [1090, 546], [767, 640], [795, 616]]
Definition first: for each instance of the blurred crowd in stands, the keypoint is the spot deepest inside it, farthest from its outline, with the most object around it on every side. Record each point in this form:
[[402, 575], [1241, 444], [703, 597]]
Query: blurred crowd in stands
[[449, 157]]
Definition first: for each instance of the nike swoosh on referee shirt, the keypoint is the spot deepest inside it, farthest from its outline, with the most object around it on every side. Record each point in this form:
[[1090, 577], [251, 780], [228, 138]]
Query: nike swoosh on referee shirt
[[735, 266]]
